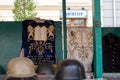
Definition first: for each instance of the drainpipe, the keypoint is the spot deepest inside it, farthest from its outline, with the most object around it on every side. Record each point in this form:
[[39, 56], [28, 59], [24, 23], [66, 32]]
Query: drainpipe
[[114, 13]]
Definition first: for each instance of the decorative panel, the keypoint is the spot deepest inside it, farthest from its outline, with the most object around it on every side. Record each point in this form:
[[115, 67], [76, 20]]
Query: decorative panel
[[80, 45]]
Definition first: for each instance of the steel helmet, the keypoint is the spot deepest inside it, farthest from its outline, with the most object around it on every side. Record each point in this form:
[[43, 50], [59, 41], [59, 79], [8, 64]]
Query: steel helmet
[[20, 67], [70, 69]]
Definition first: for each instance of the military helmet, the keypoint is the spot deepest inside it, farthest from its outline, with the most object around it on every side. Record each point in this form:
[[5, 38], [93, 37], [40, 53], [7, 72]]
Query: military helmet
[[70, 69], [20, 67]]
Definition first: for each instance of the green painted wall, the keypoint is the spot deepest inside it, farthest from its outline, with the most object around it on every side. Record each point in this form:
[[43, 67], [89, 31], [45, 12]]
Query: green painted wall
[[58, 41], [114, 30], [11, 40]]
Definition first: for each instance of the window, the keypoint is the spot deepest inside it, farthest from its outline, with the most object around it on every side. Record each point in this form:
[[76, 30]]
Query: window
[[68, 22], [79, 22]]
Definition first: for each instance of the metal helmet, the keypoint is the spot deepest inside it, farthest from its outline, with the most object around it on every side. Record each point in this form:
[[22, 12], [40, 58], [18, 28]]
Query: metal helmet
[[45, 69], [70, 69], [20, 67]]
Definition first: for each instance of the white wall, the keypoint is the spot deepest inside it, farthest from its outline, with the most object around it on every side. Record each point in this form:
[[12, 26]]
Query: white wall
[[49, 14], [118, 12], [90, 19], [108, 13], [6, 15], [6, 2]]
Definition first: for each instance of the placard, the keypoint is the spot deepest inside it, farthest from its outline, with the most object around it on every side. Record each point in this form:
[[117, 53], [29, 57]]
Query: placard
[[39, 41]]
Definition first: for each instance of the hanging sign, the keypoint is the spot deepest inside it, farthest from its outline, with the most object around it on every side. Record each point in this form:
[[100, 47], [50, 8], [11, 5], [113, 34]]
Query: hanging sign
[[75, 14], [38, 41]]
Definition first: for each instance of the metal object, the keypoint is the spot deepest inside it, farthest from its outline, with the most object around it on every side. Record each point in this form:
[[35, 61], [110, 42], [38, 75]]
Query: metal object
[[96, 23]]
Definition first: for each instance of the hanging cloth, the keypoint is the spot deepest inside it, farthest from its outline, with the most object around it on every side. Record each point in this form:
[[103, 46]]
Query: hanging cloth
[[111, 53], [38, 41]]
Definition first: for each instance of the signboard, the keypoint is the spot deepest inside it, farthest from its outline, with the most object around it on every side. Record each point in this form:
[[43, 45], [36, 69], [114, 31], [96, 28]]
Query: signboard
[[75, 13]]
